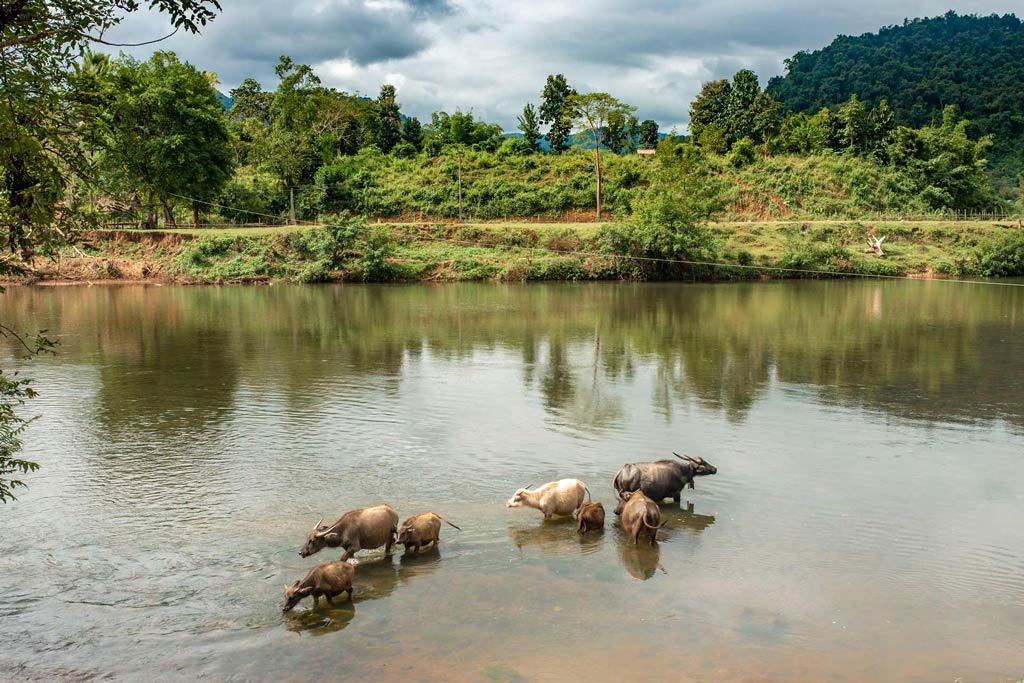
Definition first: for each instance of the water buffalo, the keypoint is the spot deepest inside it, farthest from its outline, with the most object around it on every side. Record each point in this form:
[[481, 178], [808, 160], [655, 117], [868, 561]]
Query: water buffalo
[[422, 529], [360, 529], [328, 579], [590, 516], [661, 479], [562, 497], [639, 514]]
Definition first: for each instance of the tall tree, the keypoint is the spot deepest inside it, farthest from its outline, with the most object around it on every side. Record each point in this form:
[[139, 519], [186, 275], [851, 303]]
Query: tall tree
[[249, 101], [44, 119], [648, 134], [620, 133], [168, 134], [855, 129], [591, 112], [412, 132], [388, 125], [711, 107], [529, 125], [766, 118], [555, 112], [740, 108]]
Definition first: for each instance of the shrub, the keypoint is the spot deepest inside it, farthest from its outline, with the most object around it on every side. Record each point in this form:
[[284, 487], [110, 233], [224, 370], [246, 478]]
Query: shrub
[[742, 154], [1001, 257]]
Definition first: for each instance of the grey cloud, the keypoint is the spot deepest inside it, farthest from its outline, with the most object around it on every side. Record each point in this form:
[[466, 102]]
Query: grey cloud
[[492, 56]]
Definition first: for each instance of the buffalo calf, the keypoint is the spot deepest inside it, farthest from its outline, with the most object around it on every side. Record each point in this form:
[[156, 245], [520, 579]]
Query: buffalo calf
[[590, 516], [640, 514], [421, 529], [328, 579]]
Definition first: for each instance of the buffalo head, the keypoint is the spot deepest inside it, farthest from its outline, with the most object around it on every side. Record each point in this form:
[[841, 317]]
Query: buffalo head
[[293, 595], [517, 498], [320, 537], [624, 497], [701, 467]]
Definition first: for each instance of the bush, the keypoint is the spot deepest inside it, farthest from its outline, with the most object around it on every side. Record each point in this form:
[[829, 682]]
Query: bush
[[375, 248], [662, 228], [742, 154], [1003, 257]]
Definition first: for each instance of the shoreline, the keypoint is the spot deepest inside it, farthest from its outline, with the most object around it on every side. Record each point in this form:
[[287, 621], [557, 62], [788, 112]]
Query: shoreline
[[512, 252]]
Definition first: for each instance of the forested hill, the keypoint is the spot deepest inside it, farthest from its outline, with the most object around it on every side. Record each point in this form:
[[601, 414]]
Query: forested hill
[[976, 63]]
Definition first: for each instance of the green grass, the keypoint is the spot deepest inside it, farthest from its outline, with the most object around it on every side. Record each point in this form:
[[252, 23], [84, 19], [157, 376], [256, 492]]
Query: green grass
[[516, 251]]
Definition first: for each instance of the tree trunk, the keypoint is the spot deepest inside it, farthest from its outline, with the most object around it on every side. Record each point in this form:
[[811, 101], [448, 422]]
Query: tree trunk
[[151, 212], [195, 214], [168, 214], [597, 170]]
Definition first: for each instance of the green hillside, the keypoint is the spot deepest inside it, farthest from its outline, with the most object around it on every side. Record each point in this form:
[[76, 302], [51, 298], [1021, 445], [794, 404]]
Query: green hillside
[[973, 62]]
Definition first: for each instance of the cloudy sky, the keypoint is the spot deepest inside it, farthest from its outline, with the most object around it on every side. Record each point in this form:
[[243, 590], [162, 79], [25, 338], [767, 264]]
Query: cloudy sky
[[492, 57]]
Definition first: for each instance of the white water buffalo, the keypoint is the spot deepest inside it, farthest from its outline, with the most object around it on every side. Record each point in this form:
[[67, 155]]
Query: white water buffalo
[[561, 498], [661, 479], [328, 579], [360, 529]]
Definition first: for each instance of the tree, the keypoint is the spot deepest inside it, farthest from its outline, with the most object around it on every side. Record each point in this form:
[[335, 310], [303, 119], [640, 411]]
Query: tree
[[854, 126], [388, 123], [556, 113], [249, 101], [460, 128], [168, 135], [529, 125], [592, 112], [412, 132], [766, 120], [740, 107], [44, 119], [648, 134], [711, 107], [948, 167], [620, 133]]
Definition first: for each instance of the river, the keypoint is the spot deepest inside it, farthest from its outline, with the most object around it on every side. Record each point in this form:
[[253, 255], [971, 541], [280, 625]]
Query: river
[[865, 523]]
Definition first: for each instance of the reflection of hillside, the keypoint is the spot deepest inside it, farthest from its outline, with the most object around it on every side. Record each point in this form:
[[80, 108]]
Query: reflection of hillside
[[913, 349]]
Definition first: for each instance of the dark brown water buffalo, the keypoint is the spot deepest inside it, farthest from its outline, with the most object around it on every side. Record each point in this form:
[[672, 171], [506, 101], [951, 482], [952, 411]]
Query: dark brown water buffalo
[[590, 516], [328, 580], [421, 529], [360, 529], [640, 514], [661, 479]]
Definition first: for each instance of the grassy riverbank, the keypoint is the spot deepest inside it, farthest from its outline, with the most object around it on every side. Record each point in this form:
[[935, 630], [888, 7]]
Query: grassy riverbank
[[413, 252]]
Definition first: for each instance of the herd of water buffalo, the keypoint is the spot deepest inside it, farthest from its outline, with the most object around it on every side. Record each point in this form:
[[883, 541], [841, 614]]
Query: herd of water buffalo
[[639, 486]]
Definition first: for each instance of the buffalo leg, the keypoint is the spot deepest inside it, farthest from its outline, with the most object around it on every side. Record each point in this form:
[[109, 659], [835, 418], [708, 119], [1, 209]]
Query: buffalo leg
[[350, 594], [677, 498], [387, 546], [328, 599], [316, 601], [691, 484], [349, 552]]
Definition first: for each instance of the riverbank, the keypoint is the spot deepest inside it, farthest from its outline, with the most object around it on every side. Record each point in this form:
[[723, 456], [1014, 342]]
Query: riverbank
[[515, 251]]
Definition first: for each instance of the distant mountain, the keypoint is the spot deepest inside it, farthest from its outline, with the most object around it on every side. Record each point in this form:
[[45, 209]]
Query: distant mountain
[[976, 63], [225, 101]]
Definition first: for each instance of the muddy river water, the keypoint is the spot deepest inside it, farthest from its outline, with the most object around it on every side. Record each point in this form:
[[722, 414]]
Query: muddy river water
[[866, 522]]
